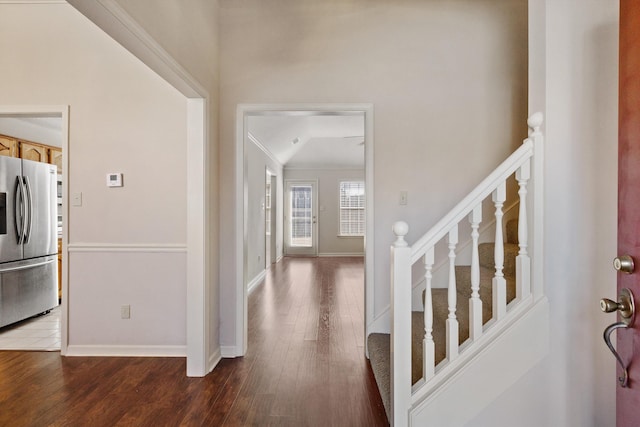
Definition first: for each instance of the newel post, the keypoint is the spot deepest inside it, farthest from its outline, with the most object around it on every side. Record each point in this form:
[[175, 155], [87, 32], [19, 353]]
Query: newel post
[[401, 326], [536, 239]]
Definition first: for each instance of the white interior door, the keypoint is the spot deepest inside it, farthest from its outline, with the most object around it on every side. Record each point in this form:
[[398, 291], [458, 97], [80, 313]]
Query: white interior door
[[300, 218]]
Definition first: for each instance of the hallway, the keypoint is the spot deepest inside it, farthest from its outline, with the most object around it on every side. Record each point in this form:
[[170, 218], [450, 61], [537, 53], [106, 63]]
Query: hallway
[[306, 342], [305, 367]]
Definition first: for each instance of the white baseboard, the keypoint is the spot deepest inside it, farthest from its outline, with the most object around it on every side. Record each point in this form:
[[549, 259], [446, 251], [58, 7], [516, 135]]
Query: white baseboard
[[382, 323], [340, 254], [214, 359], [228, 351], [127, 350], [256, 281]]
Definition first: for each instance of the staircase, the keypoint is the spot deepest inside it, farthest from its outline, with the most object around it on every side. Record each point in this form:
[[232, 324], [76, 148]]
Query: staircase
[[379, 344], [488, 325]]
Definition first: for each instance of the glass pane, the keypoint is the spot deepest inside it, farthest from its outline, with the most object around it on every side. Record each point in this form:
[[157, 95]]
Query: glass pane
[[301, 216], [352, 203]]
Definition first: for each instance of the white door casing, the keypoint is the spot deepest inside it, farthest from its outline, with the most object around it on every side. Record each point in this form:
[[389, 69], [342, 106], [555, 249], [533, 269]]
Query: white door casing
[[242, 112]]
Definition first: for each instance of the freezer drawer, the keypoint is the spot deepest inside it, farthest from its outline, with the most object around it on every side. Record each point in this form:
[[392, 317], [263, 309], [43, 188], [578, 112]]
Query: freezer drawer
[[27, 288]]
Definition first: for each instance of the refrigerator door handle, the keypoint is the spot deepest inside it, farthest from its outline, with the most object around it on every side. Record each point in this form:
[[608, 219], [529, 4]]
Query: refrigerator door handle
[[26, 266], [19, 214], [28, 224]]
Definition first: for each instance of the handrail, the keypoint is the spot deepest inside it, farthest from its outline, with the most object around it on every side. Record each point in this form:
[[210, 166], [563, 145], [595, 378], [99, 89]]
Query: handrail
[[476, 196]]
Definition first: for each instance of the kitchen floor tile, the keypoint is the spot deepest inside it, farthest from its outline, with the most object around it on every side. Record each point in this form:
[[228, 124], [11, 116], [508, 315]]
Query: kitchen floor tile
[[40, 333]]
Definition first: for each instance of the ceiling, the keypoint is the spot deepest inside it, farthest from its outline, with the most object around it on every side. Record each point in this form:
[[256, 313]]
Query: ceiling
[[308, 140], [46, 129]]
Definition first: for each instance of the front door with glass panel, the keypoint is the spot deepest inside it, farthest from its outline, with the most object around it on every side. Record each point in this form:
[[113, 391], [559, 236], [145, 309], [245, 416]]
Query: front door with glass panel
[[300, 217]]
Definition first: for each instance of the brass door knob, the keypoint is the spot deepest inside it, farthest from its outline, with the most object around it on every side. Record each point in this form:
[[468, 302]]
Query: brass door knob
[[626, 306], [624, 264]]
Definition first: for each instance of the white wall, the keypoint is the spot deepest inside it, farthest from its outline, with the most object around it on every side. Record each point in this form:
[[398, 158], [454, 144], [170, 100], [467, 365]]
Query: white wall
[[188, 32], [576, 384], [123, 118], [329, 243], [447, 80], [255, 170]]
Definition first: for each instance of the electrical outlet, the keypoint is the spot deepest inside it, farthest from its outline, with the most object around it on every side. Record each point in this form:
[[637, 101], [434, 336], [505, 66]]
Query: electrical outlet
[[125, 312]]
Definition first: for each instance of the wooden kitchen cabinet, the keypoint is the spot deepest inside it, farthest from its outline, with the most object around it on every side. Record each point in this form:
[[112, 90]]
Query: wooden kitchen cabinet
[[8, 146], [14, 147], [55, 158], [35, 152]]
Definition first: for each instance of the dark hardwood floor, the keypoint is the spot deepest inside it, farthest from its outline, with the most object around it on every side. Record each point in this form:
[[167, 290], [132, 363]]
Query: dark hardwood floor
[[305, 367]]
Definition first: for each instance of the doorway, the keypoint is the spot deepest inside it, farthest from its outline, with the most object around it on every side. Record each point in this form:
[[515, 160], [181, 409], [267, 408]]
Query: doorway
[[300, 218], [40, 134], [245, 142]]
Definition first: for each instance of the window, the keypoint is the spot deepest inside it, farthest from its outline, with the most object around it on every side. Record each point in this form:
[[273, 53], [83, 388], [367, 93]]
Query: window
[[352, 208]]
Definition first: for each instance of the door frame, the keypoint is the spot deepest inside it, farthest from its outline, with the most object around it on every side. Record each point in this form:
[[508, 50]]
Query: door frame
[[271, 242], [241, 196], [314, 212], [61, 112]]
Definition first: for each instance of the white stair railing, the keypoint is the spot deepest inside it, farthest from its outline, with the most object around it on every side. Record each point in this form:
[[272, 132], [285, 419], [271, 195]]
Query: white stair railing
[[475, 303], [525, 160], [428, 345], [499, 283]]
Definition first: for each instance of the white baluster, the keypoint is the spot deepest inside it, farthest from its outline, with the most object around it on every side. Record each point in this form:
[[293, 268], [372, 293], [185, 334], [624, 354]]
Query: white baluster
[[499, 283], [452, 321], [475, 303], [428, 346], [401, 326], [523, 263]]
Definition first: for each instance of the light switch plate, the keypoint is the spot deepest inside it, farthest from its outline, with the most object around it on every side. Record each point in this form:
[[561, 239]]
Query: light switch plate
[[76, 199], [125, 312], [404, 197]]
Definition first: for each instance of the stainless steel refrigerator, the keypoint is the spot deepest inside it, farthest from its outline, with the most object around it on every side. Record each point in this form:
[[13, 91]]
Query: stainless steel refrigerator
[[28, 239]]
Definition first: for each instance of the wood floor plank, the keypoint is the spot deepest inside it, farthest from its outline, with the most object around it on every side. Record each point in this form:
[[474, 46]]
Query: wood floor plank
[[305, 366]]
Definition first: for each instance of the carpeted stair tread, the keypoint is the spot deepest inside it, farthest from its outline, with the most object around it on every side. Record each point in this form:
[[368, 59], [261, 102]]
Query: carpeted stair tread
[[486, 252], [379, 346], [441, 311], [512, 231]]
